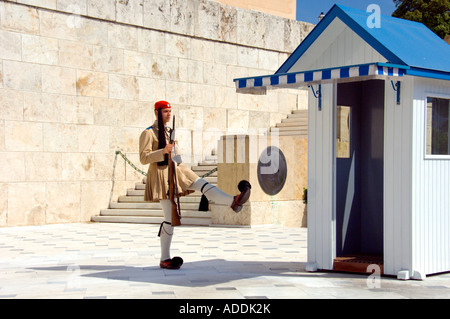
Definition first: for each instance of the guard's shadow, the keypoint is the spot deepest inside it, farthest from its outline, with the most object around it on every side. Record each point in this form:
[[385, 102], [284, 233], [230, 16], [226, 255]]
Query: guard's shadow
[[191, 274]]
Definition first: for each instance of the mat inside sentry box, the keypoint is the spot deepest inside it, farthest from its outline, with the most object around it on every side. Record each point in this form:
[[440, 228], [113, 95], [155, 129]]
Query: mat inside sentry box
[[358, 263]]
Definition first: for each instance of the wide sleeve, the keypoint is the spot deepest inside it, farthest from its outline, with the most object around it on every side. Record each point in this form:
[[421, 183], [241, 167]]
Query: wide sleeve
[[146, 153]]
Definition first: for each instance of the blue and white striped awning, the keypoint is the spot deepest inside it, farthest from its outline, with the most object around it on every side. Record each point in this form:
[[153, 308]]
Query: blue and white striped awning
[[259, 84]]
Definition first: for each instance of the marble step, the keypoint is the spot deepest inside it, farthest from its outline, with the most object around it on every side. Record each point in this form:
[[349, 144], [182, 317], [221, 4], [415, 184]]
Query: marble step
[[300, 120], [295, 123], [149, 220]]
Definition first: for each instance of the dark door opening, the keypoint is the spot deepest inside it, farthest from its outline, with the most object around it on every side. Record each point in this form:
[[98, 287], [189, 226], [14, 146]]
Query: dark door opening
[[359, 172]]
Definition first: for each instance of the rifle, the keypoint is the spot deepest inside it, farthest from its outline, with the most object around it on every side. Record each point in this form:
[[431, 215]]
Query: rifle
[[173, 185]]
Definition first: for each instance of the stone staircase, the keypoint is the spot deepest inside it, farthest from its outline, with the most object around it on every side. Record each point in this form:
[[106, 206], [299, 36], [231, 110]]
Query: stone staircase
[[131, 208], [296, 124]]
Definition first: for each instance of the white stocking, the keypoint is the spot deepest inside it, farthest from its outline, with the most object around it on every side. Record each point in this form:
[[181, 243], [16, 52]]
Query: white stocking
[[211, 192], [166, 231]]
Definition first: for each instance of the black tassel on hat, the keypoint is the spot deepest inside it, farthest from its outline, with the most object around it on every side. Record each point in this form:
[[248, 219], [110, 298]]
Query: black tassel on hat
[[162, 138]]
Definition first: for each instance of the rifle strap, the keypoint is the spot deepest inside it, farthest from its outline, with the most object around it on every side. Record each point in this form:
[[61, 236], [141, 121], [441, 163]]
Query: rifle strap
[[162, 228]]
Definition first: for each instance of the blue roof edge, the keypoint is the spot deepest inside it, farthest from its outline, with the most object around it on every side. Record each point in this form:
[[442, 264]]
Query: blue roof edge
[[339, 12], [336, 11], [390, 65], [427, 73]]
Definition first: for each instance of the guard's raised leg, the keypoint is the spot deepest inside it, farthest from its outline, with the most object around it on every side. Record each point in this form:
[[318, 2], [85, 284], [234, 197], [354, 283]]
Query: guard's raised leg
[[218, 196]]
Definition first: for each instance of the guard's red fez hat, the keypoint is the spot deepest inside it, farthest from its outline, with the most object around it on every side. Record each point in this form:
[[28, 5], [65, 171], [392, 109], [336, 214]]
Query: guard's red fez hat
[[162, 105]]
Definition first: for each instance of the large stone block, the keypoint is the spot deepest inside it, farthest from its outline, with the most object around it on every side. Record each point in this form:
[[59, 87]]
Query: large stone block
[[257, 213], [19, 18], [59, 137], [22, 76], [178, 92], [274, 32], [89, 31], [239, 157], [203, 95], [2, 136], [102, 9], [123, 87], [105, 170], [94, 197], [92, 83], [11, 105], [75, 54], [78, 167], [251, 28], [108, 112], [58, 80], [23, 136], [228, 24], [130, 11], [11, 47], [182, 15], [165, 67], [137, 63], [57, 25], [41, 107], [178, 46], [122, 36], [42, 50], [238, 120], [26, 204], [63, 202], [157, 14], [78, 110], [12, 167], [93, 138], [43, 166], [3, 204], [140, 114], [125, 139], [206, 23], [107, 59], [1, 74]]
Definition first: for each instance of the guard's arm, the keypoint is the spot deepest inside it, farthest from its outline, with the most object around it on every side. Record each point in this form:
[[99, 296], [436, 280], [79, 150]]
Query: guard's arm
[[146, 153]]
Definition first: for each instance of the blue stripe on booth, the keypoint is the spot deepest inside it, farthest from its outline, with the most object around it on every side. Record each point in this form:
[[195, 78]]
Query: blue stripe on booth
[[324, 74]]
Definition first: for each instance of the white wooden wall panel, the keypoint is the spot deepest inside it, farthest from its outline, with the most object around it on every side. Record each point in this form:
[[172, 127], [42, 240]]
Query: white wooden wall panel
[[431, 189], [321, 163], [397, 179]]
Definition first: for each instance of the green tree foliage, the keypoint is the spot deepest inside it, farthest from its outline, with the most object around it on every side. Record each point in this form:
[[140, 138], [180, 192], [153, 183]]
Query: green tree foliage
[[435, 14]]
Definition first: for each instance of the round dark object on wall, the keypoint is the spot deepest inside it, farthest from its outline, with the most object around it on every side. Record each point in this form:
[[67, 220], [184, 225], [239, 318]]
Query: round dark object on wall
[[272, 170]]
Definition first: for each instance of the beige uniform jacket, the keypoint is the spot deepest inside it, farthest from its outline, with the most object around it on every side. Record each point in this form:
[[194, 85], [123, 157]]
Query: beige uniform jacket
[[157, 185]]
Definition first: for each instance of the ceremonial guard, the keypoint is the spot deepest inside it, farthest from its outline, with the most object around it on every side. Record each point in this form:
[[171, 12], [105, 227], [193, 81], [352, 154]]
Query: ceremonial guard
[[157, 148]]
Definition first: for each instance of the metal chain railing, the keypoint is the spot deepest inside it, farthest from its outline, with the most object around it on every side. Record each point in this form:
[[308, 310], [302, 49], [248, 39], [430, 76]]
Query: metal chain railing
[[118, 152]]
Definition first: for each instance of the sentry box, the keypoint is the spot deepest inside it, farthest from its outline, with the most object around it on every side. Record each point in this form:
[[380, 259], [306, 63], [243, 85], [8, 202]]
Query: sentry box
[[378, 143]]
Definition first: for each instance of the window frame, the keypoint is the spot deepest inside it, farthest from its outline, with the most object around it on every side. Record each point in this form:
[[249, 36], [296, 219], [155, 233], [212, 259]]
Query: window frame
[[433, 156]]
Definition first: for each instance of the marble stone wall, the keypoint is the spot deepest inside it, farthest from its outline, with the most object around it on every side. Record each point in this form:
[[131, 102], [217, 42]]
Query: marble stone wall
[[78, 80]]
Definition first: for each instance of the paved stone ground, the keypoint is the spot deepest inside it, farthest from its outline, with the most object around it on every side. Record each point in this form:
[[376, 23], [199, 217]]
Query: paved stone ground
[[94, 260]]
